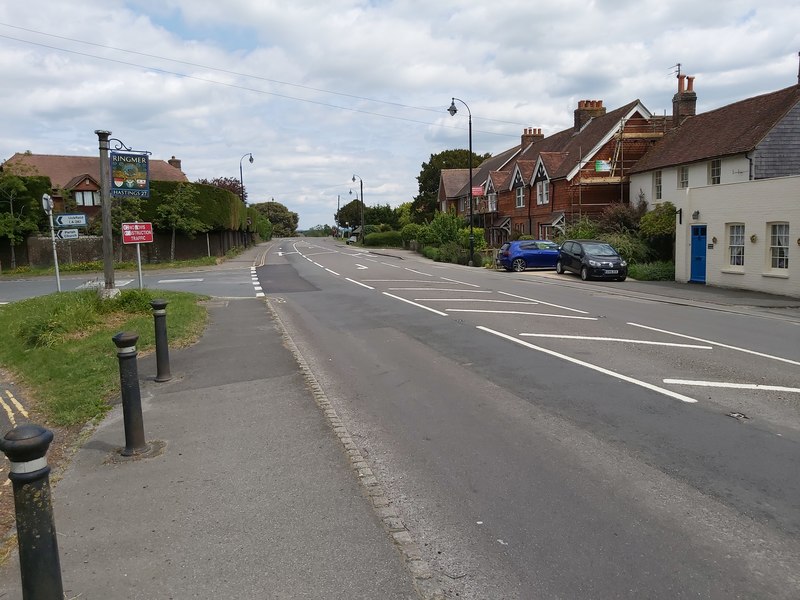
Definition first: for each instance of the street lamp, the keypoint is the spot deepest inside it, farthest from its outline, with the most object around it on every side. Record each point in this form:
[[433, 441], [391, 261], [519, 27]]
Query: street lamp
[[362, 205], [453, 110], [241, 180]]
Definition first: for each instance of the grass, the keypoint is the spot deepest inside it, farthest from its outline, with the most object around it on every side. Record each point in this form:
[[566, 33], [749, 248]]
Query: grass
[[654, 271], [59, 345], [97, 266]]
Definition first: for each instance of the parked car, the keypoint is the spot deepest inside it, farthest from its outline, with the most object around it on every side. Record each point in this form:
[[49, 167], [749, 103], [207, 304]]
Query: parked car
[[591, 259], [523, 254]]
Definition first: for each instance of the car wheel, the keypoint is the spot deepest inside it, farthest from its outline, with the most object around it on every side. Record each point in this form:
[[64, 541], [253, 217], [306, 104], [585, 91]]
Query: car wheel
[[559, 268], [584, 273], [620, 278], [518, 264]]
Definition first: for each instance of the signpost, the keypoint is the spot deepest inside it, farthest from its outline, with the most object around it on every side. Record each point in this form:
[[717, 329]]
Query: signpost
[[70, 220], [67, 234], [137, 233], [47, 205]]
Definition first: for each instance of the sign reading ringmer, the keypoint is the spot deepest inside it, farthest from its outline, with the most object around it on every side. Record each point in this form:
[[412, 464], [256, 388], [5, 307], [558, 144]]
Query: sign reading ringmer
[[130, 174], [137, 233]]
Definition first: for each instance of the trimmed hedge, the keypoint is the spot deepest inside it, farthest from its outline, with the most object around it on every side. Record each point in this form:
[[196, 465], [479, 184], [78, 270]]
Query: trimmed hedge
[[385, 239]]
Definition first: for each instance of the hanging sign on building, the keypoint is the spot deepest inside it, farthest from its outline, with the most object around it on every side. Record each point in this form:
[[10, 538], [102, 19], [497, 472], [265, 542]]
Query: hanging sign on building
[[130, 174]]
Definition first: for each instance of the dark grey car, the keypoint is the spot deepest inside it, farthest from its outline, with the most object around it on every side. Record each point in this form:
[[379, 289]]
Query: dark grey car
[[591, 259]]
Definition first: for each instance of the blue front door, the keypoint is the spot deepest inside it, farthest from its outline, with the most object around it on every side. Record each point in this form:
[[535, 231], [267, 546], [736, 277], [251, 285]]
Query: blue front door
[[698, 270]]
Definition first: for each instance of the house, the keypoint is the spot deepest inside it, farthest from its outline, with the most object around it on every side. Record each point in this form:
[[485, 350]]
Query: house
[[77, 178], [544, 182], [733, 175]]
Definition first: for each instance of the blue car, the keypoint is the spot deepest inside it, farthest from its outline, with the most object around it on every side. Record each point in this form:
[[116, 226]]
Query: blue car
[[525, 254]]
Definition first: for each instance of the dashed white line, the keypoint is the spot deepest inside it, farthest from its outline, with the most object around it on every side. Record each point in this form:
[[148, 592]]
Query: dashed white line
[[334, 272], [597, 368], [359, 283], [460, 282], [440, 290]]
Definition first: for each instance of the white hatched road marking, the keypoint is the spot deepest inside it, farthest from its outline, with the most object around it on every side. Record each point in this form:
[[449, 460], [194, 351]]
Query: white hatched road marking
[[609, 339], [583, 312], [473, 300], [518, 312], [440, 290], [359, 283], [736, 386], [415, 304], [597, 368]]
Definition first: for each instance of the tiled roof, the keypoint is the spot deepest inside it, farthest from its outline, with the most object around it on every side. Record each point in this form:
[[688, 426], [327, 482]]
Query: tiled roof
[[453, 180], [500, 179], [63, 169], [481, 173], [732, 129]]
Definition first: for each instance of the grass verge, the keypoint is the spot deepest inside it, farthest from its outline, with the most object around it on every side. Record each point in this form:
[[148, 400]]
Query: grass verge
[[59, 346]]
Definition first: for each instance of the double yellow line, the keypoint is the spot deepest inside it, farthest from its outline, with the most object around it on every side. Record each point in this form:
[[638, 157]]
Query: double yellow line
[[9, 408]]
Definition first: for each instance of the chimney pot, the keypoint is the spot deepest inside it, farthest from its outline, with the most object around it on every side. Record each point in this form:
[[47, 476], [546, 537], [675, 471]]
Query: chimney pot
[[690, 83]]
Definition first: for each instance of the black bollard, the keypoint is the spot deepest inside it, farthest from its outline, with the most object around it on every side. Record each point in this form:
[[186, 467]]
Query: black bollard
[[131, 397], [162, 344], [26, 446]]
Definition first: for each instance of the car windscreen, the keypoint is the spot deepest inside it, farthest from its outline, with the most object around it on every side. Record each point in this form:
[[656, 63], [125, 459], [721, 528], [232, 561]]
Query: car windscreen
[[599, 250]]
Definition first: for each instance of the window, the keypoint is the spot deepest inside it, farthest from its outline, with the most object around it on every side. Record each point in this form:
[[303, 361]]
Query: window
[[779, 245], [493, 202], [542, 192], [683, 177], [714, 171], [520, 194], [736, 245], [87, 198], [657, 185]]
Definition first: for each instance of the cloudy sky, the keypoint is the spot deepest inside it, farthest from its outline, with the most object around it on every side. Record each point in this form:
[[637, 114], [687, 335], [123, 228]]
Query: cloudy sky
[[319, 91]]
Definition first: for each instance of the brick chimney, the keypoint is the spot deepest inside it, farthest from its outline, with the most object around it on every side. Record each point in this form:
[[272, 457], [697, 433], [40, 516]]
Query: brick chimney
[[531, 135], [175, 162], [684, 103], [586, 111]]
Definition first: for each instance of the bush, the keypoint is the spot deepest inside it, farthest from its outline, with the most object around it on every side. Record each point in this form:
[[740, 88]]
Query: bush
[[445, 227], [450, 252], [477, 260], [431, 252], [480, 240], [411, 231], [385, 239], [655, 271], [630, 247], [582, 229]]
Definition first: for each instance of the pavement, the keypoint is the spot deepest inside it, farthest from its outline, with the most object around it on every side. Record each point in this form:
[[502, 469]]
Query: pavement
[[252, 487]]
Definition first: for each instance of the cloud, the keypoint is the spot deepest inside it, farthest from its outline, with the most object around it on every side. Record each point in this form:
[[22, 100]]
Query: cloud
[[318, 91]]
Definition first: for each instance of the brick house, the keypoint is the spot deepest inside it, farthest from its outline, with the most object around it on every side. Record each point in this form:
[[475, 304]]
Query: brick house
[[77, 178], [544, 182]]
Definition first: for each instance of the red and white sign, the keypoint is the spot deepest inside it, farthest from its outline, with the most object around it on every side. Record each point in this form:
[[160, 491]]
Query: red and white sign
[[137, 233]]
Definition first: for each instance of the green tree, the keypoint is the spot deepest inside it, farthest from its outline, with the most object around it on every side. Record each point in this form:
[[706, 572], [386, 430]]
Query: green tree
[[349, 215], [403, 215], [178, 212], [231, 184], [284, 222], [424, 205], [445, 228], [17, 217]]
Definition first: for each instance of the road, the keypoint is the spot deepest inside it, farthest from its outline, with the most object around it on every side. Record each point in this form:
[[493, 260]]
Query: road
[[543, 437], [548, 438]]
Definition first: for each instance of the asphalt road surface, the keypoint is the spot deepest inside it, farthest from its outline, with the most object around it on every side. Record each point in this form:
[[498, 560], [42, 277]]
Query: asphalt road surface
[[544, 437]]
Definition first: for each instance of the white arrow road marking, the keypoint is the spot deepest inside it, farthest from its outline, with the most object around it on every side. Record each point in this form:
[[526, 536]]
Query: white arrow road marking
[[597, 368], [358, 266]]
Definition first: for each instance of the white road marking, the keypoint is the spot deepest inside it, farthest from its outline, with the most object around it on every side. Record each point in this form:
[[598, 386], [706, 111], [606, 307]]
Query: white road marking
[[737, 386], [519, 312], [597, 368], [390, 265], [440, 290], [460, 282], [696, 339], [334, 272], [608, 339], [415, 304], [260, 294], [583, 312], [408, 281], [418, 272], [190, 280], [472, 300], [358, 266], [359, 283]]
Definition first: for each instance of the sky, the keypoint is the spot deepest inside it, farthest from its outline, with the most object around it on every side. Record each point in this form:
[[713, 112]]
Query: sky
[[321, 91]]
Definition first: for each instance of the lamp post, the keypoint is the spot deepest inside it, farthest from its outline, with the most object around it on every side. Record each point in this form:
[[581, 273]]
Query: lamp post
[[241, 180], [453, 110], [361, 181]]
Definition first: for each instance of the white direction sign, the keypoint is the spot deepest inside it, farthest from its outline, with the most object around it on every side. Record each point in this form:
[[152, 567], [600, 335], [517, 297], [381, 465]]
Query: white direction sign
[[70, 220], [67, 234]]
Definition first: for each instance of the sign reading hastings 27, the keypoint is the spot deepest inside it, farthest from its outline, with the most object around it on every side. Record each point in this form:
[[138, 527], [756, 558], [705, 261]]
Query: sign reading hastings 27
[[130, 174]]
